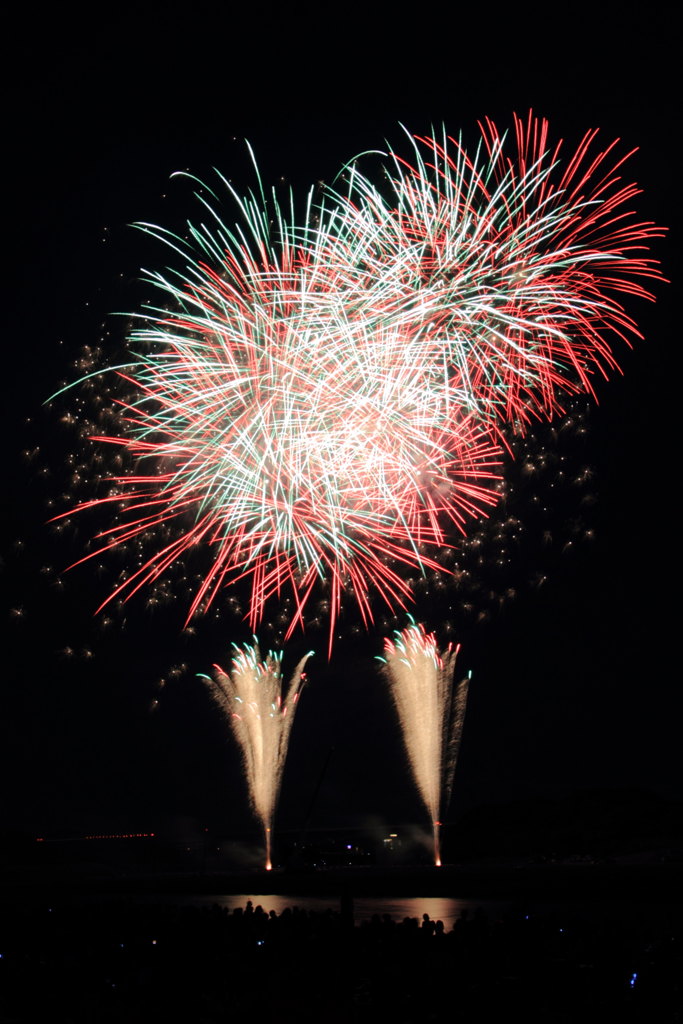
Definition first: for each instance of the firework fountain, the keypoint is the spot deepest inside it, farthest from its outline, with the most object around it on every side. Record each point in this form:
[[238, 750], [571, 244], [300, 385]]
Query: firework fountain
[[261, 719], [431, 711]]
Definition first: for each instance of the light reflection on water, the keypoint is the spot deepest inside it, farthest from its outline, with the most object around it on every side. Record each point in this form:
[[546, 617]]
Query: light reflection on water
[[438, 908]]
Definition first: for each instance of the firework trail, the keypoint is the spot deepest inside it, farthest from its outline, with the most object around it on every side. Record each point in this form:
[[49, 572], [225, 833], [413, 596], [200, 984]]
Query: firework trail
[[431, 711], [323, 400], [509, 261], [508, 264], [261, 719]]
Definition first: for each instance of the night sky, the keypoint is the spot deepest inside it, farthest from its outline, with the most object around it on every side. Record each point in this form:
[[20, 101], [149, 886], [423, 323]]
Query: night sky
[[575, 677]]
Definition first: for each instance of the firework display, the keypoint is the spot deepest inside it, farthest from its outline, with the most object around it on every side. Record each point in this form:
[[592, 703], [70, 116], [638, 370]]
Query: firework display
[[323, 400], [261, 719], [431, 711]]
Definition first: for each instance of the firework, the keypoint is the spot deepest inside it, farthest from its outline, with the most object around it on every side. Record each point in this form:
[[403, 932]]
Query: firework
[[261, 719], [509, 262], [296, 448], [322, 400], [431, 711]]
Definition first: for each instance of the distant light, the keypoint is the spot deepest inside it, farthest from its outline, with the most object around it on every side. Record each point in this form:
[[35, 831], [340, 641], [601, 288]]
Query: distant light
[[120, 835]]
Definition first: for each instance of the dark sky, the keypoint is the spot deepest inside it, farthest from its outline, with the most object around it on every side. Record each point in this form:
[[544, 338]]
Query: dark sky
[[576, 682]]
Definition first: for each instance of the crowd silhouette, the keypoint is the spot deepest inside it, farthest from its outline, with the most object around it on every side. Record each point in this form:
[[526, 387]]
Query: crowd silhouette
[[124, 961]]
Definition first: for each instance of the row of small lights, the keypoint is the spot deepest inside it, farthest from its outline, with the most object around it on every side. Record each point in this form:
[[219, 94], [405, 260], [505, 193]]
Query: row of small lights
[[116, 835]]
